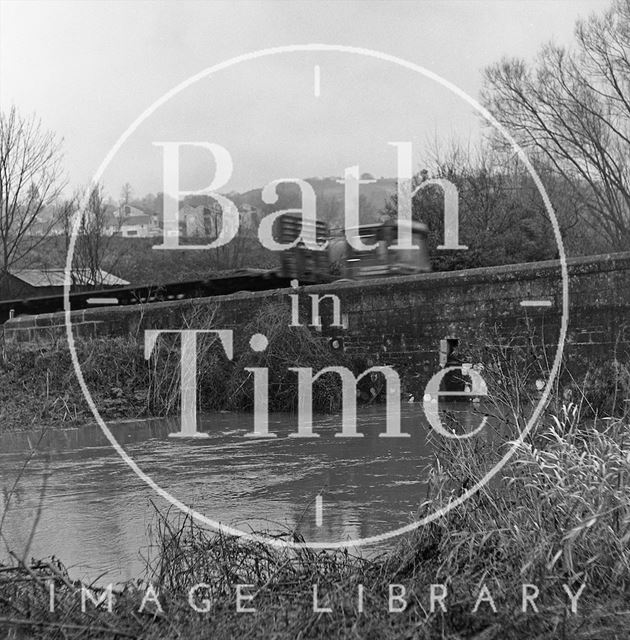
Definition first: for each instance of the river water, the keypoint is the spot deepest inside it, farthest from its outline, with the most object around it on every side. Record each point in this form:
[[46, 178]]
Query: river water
[[69, 494]]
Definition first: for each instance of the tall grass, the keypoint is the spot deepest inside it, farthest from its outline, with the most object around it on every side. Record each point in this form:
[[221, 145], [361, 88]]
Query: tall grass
[[38, 387], [557, 515], [288, 347]]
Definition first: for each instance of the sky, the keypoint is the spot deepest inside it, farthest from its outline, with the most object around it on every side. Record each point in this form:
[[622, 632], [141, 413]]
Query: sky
[[89, 69]]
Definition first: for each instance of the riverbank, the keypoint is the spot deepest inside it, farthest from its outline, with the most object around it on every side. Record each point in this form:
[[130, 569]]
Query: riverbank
[[541, 551], [546, 546], [39, 389]]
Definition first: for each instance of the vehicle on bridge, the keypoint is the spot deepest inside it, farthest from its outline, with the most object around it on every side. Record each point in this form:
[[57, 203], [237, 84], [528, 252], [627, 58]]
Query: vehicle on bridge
[[343, 261], [339, 262], [385, 260]]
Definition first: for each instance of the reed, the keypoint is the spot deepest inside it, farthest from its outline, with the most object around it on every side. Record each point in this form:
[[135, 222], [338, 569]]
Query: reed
[[558, 514]]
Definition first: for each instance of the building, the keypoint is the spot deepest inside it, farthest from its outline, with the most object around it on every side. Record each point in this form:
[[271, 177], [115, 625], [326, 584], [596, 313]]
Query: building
[[197, 221], [31, 283], [132, 222], [206, 222], [139, 226]]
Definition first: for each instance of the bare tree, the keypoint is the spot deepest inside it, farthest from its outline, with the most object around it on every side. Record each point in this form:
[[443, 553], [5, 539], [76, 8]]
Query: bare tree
[[94, 250], [125, 193], [233, 255], [502, 217], [572, 110], [30, 180]]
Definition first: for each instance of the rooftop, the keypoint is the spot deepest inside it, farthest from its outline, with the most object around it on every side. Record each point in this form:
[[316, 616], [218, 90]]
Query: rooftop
[[57, 277]]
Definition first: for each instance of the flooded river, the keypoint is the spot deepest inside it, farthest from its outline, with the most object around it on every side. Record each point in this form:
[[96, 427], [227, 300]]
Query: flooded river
[[75, 498]]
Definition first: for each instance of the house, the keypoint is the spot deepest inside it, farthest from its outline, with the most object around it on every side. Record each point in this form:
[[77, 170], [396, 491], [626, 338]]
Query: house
[[126, 211], [31, 283], [206, 222], [132, 222], [137, 226], [197, 220]]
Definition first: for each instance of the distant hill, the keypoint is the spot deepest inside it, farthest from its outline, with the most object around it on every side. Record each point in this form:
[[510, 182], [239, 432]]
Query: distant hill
[[330, 198], [328, 191]]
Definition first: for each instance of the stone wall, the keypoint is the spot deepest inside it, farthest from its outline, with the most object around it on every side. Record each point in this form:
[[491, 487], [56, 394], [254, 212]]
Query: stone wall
[[400, 321]]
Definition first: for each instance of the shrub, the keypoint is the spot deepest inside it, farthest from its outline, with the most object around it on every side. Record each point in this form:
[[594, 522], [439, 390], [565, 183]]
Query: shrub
[[288, 347]]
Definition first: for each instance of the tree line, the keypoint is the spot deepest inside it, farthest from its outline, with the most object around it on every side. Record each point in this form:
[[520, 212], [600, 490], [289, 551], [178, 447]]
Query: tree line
[[569, 109]]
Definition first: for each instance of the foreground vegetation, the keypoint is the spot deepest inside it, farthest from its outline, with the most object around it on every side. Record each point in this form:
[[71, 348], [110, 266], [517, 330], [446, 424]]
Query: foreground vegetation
[[126, 385], [558, 518]]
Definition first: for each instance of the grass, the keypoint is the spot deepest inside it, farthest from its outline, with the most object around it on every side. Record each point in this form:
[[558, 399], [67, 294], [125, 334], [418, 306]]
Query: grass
[[558, 515], [125, 385]]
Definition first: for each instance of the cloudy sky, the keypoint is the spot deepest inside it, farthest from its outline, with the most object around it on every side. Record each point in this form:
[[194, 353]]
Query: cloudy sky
[[89, 69]]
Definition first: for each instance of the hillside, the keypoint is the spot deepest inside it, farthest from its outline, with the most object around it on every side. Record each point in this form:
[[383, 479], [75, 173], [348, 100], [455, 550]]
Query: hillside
[[330, 199]]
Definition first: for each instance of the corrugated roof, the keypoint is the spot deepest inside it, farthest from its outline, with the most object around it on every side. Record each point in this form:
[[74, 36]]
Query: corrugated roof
[[56, 277]]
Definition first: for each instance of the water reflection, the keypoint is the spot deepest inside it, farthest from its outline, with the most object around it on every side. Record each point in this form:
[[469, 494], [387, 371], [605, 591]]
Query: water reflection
[[79, 501]]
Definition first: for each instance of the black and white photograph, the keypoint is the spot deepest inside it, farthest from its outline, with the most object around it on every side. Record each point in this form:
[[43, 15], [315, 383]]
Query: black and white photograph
[[315, 319]]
